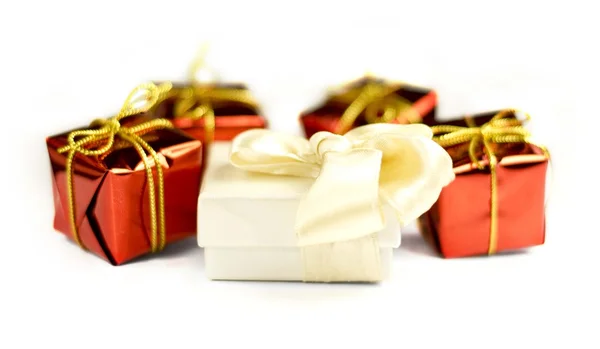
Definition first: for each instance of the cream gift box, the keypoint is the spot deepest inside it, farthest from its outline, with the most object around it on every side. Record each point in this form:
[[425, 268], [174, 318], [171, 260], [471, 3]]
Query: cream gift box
[[279, 207], [246, 223]]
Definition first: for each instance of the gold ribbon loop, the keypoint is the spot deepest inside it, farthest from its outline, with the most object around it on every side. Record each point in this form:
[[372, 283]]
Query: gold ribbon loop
[[377, 99], [503, 128], [100, 139], [199, 100], [355, 175]]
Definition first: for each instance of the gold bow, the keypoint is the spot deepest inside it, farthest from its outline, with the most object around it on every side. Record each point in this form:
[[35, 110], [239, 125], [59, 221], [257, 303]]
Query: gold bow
[[355, 175], [503, 128], [100, 138], [198, 100], [378, 100]]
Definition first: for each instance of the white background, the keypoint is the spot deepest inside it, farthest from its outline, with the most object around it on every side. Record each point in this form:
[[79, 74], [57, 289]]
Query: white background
[[63, 63]]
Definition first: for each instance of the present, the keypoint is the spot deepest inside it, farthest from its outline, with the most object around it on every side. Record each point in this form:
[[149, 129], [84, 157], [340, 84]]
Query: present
[[211, 112], [127, 185], [328, 209], [208, 109], [367, 101], [496, 203]]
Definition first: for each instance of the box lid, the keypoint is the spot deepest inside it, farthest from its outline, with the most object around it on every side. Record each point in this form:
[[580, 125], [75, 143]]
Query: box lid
[[240, 208]]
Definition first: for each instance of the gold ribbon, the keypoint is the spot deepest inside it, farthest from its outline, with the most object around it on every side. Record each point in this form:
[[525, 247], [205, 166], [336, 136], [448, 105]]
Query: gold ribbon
[[198, 100], [355, 174], [378, 100], [100, 139], [503, 128]]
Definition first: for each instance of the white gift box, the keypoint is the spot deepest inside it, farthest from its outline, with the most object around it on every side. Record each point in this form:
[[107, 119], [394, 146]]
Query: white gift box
[[274, 206], [246, 224]]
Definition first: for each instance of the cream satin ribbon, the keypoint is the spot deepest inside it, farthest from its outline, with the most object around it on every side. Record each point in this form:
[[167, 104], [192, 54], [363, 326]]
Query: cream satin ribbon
[[338, 220]]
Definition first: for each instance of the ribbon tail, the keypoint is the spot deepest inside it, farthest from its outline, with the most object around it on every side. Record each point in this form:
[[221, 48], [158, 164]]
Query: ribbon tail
[[337, 227], [343, 203], [356, 260]]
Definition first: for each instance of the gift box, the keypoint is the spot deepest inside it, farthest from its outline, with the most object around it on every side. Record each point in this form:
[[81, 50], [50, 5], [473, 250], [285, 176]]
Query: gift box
[[210, 111], [127, 185], [281, 207], [207, 108], [370, 100], [496, 203]]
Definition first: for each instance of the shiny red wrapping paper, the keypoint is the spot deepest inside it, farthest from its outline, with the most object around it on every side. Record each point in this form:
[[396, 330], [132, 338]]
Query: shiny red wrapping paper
[[112, 209], [458, 225], [231, 118], [327, 116]]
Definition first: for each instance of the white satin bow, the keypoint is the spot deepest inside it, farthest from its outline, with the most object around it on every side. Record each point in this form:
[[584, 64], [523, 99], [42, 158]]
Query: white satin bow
[[355, 174]]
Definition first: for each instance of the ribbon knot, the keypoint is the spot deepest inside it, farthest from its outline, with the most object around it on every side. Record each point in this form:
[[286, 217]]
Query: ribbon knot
[[99, 139], [503, 128], [324, 142], [355, 175], [112, 124]]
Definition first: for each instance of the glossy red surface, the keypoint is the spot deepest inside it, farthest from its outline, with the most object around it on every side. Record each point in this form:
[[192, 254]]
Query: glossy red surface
[[111, 196], [231, 119], [327, 116], [226, 127], [458, 225]]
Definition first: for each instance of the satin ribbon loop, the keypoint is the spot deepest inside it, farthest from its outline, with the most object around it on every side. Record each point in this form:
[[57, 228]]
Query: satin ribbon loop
[[377, 99], [355, 175], [99, 139], [502, 128]]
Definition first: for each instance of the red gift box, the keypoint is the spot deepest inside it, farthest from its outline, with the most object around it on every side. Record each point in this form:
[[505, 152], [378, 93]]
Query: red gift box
[[370, 100], [191, 108], [497, 201], [111, 183]]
